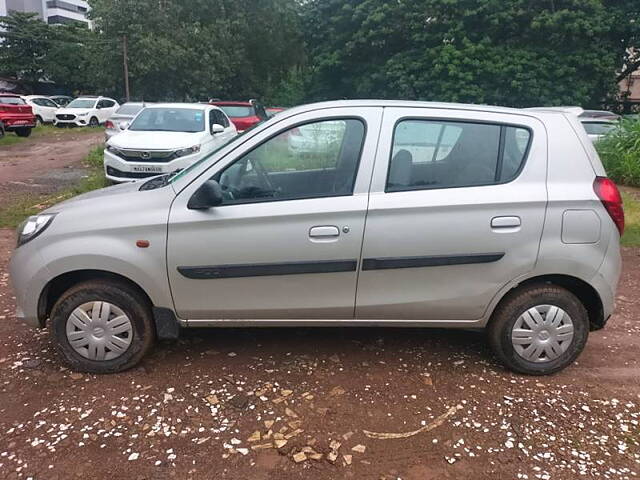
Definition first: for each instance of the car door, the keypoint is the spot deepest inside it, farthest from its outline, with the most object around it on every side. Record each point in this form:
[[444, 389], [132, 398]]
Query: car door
[[213, 140], [48, 109], [456, 212], [286, 241]]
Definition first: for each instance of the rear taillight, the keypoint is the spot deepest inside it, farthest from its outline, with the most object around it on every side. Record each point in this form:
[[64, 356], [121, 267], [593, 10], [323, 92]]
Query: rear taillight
[[609, 195], [109, 124]]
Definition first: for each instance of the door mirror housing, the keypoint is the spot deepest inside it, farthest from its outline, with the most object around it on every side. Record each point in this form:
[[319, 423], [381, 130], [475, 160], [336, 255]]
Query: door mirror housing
[[207, 196], [124, 125], [216, 128]]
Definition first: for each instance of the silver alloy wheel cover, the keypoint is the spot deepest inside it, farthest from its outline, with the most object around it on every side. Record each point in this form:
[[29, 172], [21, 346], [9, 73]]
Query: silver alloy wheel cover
[[542, 333], [99, 331]]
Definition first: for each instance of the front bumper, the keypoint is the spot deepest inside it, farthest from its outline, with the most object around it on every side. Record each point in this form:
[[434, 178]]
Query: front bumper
[[29, 278], [77, 122], [118, 170]]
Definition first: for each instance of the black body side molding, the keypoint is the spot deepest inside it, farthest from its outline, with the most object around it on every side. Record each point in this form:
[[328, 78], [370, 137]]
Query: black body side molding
[[433, 261], [268, 269]]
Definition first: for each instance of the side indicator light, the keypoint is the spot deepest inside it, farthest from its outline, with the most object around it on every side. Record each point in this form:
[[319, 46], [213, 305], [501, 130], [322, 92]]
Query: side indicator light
[[143, 243]]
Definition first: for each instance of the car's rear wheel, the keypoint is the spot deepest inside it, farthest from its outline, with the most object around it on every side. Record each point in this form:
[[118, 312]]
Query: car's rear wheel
[[23, 131], [102, 326], [539, 329], [94, 122]]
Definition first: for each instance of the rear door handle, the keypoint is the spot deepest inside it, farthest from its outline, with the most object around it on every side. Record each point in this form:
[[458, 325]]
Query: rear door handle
[[326, 231], [505, 222]]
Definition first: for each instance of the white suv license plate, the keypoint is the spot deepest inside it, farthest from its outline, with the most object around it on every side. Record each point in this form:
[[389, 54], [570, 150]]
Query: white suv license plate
[[145, 169]]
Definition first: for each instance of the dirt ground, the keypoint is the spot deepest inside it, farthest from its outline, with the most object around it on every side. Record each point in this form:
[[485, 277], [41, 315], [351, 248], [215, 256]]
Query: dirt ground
[[217, 402], [46, 164]]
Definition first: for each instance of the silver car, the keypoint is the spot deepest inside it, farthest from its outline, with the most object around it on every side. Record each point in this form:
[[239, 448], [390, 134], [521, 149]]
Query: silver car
[[121, 118], [409, 214]]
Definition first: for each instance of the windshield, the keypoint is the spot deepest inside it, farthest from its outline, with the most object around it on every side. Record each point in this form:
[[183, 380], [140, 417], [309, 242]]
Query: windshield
[[193, 166], [189, 120], [595, 128], [237, 111], [11, 101], [129, 109], [82, 103]]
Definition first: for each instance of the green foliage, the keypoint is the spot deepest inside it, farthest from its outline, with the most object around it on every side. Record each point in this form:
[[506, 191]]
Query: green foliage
[[620, 152], [631, 237], [511, 52]]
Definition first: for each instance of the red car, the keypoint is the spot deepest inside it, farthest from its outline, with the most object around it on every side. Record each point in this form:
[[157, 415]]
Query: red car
[[15, 115], [244, 115]]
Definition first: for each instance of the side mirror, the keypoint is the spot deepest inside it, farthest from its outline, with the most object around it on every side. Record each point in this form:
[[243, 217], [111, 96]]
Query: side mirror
[[208, 195], [123, 125], [216, 128]]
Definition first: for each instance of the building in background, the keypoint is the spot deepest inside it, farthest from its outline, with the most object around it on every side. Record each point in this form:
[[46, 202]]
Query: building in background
[[630, 89], [51, 11]]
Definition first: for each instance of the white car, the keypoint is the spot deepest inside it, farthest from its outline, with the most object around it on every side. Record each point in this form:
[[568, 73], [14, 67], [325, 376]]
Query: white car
[[86, 111], [164, 138], [43, 108]]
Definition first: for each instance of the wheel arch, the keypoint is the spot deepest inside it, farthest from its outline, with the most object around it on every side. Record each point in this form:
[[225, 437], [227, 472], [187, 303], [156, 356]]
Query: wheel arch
[[586, 294], [63, 282]]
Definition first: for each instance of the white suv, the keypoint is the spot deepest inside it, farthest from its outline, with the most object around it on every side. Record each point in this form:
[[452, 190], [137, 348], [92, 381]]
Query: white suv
[[43, 108], [86, 111], [164, 138]]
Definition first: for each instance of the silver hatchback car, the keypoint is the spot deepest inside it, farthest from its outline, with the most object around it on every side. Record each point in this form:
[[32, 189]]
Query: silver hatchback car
[[395, 214]]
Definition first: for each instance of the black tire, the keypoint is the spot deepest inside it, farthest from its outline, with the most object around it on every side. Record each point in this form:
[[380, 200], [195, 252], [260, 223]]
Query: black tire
[[23, 131], [39, 120], [129, 300], [94, 122], [518, 302], [1, 130]]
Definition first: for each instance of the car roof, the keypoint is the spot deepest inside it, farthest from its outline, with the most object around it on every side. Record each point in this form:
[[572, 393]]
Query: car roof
[[231, 103], [197, 106]]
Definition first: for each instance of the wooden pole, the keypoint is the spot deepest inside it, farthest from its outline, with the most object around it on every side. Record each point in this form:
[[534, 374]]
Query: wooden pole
[[126, 68]]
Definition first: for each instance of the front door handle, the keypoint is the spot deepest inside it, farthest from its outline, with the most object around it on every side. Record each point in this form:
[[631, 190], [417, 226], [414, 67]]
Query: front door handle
[[505, 222], [324, 231]]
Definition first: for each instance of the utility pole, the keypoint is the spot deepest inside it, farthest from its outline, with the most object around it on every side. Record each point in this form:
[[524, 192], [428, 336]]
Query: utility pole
[[125, 59]]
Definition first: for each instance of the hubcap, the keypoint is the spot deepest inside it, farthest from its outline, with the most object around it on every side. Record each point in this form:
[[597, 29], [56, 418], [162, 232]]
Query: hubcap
[[99, 331], [542, 333]]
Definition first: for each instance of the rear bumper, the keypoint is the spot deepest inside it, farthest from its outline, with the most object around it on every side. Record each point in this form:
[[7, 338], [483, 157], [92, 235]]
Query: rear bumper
[[11, 122]]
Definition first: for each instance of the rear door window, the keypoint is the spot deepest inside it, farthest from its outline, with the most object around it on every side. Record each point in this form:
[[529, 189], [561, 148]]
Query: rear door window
[[442, 154]]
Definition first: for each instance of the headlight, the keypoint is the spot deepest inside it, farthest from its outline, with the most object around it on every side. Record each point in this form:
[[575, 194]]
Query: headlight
[[34, 226], [187, 151], [83, 114], [113, 149]]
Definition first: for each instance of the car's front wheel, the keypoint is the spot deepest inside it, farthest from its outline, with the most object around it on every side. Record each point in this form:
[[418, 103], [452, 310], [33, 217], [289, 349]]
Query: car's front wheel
[[539, 329], [102, 326], [94, 122]]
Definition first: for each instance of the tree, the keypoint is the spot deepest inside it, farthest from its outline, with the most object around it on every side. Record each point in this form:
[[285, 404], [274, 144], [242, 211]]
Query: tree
[[24, 44], [512, 52]]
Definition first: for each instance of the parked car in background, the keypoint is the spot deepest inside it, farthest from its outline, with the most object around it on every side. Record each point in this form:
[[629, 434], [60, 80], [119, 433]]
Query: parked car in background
[[61, 100], [273, 111], [598, 127], [244, 115], [164, 138], [86, 111], [15, 115], [358, 232], [43, 108], [120, 120]]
